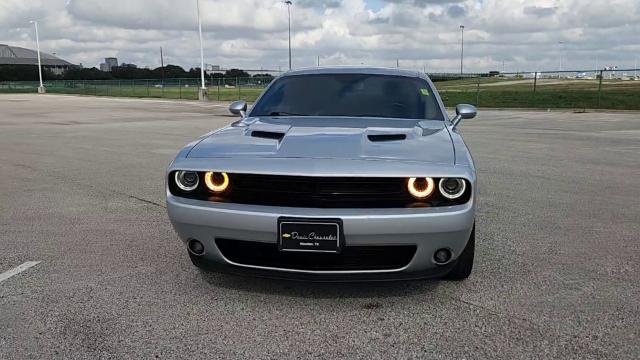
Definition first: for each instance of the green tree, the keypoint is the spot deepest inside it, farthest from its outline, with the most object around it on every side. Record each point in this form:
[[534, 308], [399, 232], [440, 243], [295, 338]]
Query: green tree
[[234, 73], [78, 73]]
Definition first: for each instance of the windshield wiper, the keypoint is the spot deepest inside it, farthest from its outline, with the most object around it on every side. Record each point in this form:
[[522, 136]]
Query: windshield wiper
[[283, 113]]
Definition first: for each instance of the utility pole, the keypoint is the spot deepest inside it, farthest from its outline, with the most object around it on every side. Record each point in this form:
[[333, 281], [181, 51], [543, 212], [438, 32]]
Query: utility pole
[[398, 63], [288, 2], [41, 89], [461, 48], [318, 60], [202, 93]]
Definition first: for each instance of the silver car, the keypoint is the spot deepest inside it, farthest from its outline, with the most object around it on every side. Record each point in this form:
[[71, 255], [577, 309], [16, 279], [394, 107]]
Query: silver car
[[341, 173]]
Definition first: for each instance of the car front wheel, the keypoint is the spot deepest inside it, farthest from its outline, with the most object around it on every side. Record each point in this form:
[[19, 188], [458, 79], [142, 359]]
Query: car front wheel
[[464, 263]]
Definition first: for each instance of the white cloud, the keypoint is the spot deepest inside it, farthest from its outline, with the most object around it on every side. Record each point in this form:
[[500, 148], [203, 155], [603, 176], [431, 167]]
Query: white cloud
[[253, 33]]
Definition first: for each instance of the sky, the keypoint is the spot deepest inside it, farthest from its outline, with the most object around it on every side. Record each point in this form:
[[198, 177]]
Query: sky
[[509, 35]]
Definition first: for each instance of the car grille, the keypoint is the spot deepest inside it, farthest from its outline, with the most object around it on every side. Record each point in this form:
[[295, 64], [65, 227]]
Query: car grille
[[350, 258], [318, 192]]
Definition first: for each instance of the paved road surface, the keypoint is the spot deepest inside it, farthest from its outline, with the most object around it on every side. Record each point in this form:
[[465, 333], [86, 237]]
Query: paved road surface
[[81, 191]]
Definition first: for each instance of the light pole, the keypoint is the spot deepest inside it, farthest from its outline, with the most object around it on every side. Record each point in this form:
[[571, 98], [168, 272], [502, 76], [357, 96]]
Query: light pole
[[288, 2], [162, 67], [561, 43], [461, 47], [202, 93], [41, 89]]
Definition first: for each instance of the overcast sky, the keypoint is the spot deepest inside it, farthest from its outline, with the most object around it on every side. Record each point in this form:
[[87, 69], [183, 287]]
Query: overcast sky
[[524, 34]]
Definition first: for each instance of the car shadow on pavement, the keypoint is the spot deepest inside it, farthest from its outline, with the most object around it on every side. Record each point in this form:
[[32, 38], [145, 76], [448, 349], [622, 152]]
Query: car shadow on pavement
[[320, 290]]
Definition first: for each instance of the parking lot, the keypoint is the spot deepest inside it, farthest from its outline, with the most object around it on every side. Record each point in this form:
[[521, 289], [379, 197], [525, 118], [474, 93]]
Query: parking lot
[[82, 192]]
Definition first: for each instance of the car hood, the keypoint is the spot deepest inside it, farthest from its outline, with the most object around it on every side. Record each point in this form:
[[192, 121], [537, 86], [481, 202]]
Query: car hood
[[330, 138]]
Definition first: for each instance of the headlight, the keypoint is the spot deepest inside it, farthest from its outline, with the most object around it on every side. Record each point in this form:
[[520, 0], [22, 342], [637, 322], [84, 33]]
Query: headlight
[[420, 188], [216, 182], [187, 180], [452, 188]]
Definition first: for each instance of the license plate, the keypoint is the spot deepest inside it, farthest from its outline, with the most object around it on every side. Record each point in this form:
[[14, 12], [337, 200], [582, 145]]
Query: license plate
[[310, 235]]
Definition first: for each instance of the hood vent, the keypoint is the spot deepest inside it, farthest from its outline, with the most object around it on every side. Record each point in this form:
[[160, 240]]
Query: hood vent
[[387, 137], [268, 135]]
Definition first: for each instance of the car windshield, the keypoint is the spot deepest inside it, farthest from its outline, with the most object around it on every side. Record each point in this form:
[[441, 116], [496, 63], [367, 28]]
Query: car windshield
[[361, 95]]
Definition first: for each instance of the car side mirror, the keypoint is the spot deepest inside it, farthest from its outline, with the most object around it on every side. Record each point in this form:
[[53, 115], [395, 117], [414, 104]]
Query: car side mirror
[[463, 111], [238, 108]]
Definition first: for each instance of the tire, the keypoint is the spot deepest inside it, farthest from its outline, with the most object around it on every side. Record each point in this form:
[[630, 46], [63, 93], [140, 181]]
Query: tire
[[464, 264]]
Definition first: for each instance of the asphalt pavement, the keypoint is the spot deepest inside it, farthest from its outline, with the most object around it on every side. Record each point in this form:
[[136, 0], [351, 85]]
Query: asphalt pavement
[[557, 270]]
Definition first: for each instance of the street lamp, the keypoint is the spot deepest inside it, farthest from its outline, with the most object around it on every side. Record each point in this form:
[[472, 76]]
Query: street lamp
[[41, 89], [202, 92], [288, 2], [561, 43], [461, 47]]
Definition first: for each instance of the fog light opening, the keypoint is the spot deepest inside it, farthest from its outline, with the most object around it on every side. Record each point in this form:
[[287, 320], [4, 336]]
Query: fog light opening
[[442, 256], [196, 247]]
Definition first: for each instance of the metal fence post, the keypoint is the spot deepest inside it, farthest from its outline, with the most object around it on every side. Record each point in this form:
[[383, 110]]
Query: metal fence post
[[535, 85], [600, 87], [238, 86], [478, 92], [147, 88], [219, 79], [120, 87], [180, 88]]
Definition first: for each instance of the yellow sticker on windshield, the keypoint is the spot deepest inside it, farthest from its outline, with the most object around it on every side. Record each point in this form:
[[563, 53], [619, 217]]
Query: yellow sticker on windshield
[[425, 92]]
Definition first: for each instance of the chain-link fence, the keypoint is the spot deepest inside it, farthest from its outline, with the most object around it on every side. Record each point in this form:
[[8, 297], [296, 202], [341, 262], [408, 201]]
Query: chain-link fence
[[218, 88], [576, 89], [604, 89]]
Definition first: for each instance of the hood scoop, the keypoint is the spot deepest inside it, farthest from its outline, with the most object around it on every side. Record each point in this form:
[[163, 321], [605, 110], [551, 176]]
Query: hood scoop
[[387, 137], [267, 134]]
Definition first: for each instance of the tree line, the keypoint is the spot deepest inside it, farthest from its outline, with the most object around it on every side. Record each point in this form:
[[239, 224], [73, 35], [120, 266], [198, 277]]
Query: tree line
[[125, 71]]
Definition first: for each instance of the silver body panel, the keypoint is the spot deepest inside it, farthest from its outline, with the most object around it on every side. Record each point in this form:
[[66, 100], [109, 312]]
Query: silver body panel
[[330, 146]]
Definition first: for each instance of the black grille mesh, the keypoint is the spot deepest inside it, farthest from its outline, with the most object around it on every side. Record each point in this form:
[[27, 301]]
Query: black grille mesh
[[350, 258]]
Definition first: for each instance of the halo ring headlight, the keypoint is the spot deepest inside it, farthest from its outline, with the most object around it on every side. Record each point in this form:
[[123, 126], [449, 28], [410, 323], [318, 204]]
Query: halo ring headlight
[[215, 184], [187, 180], [418, 192], [449, 192]]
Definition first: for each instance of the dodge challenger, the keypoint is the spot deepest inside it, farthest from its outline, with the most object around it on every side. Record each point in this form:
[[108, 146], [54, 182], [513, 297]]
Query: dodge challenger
[[334, 174]]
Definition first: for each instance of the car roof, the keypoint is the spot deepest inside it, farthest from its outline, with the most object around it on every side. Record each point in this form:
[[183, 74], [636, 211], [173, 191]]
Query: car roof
[[354, 70]]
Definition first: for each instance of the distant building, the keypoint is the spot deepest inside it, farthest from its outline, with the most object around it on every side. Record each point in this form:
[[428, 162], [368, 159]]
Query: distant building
[[13, 55], [108, 64]]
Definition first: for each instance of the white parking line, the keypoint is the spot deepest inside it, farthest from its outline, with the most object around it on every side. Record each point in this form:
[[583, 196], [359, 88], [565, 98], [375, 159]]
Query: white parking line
[[17, 270]]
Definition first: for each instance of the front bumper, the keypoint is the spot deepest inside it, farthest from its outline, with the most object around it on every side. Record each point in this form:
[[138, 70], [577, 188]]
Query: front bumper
[[428, 229]]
